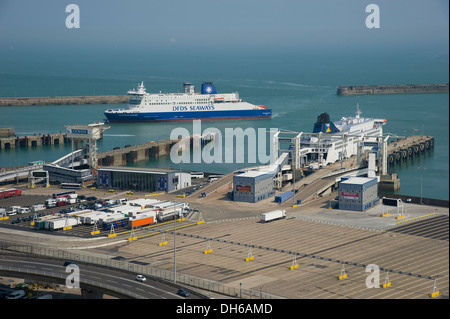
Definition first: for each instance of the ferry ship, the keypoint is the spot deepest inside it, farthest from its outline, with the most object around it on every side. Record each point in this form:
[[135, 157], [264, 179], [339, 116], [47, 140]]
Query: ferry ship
[[333, 141], [186, 106]]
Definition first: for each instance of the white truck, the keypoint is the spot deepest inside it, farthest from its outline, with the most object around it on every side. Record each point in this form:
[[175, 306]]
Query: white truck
[[51, 202], [37, 207], [169, 214], [273, 215], [59, 223]]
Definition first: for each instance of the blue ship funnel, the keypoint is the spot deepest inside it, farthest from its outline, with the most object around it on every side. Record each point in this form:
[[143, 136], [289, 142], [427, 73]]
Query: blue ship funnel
[[208, 88], [324, 124]]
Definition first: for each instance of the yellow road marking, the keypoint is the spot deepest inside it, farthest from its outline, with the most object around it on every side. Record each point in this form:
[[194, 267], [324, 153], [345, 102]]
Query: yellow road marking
[[406, 220]]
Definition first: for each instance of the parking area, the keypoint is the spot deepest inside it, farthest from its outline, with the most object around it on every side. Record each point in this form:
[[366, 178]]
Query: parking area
[[87, 199], [316, 234]]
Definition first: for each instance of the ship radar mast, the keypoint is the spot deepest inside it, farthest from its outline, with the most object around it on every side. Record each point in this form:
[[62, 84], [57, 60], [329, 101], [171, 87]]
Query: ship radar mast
[[141, 88]]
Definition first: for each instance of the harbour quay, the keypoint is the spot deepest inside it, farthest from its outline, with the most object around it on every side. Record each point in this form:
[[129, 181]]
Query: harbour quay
[[408, 148], [135, 153], [63, 100], [11, 142]]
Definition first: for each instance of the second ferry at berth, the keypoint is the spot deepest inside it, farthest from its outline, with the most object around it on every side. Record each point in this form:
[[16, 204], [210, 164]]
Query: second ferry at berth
[[186, 106]]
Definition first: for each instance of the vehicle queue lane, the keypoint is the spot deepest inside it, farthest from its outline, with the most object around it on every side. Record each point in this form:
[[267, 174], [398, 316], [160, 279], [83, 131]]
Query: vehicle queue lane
[[124, 281]]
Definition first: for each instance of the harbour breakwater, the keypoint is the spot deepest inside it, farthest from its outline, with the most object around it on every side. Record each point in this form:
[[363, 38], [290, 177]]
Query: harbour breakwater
[[63, 100], [392, 89]]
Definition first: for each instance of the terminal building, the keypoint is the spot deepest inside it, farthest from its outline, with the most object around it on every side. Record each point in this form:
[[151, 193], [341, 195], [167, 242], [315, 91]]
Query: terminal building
[[255, 185], [358, 193], [151, 180]]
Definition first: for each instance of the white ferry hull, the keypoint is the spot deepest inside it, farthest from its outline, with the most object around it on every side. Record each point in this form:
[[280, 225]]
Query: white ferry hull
[[187, 106]]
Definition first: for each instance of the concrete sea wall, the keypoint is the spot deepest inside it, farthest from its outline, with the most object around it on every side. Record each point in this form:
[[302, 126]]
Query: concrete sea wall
[[392, 89], [63, 100]]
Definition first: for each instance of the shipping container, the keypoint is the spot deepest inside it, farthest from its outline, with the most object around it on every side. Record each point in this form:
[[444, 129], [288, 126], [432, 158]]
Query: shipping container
[[141, 222], [116, 223], [10, 193], [281, 198]]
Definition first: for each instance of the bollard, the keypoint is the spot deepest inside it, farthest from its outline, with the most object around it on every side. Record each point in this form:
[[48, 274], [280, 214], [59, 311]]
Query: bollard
[[249, 255], [343, 275], [435, 292], [387, 282]]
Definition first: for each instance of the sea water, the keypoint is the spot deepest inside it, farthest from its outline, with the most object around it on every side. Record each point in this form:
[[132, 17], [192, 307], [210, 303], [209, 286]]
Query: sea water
[[297, 87]]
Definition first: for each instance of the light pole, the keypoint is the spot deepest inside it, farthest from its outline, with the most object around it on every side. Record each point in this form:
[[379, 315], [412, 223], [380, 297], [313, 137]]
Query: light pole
[[421, 173], [175, 248], [293, 176]]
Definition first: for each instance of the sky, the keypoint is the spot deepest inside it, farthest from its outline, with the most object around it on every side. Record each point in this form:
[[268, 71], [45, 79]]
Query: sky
[[222, 25]]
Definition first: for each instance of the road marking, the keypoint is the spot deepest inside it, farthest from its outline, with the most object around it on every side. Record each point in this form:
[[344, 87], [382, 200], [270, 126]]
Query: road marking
[[406, 220]]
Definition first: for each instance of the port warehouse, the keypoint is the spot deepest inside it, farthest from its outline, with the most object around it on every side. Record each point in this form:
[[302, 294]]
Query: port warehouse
[[143, 179], [128, 214]]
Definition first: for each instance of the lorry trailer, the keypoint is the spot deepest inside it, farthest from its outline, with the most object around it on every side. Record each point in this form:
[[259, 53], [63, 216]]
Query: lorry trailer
[[142, 220], [55, 224], [116, 223], [281, 198], [169, 214], [273, 215], [10, 193]]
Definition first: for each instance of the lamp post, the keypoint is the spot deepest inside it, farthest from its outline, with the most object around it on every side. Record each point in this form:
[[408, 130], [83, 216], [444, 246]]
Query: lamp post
[[421, 173], [175, 248]]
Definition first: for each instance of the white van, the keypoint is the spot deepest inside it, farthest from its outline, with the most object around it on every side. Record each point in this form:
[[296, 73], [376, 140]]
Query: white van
[[37, 207], [51, 202], [24, 210], [16, 294]]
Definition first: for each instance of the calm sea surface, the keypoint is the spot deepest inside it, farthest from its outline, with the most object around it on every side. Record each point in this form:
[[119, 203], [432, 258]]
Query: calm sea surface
[[297, 88]]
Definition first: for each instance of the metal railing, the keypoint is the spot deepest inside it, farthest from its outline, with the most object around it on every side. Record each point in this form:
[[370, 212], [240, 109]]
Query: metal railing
[[63, 277], [156, 273]]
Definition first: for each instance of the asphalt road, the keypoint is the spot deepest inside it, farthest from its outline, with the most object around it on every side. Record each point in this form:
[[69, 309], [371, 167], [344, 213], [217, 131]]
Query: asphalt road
[[149, 289]]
